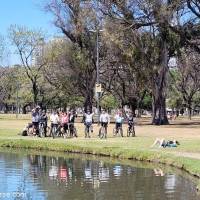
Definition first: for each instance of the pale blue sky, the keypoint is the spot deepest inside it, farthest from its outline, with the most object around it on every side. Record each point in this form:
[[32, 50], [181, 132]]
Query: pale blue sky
[[29, 13]]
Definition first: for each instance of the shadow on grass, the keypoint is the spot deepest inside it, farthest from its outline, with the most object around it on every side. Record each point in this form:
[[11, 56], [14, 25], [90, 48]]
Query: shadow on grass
[[174, 124]]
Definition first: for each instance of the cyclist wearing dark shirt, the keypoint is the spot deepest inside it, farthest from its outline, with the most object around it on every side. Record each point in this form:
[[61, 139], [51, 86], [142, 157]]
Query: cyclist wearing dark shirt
[[130, 118], [44, 119], [72, 117], [35, 120]]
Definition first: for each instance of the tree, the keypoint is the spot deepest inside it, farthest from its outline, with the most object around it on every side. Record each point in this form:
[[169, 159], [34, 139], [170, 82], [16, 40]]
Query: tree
[[29, 43], [8, 88], [109, 102], [148, 23], [186, 78], [75, 19], [64, 70], [2, 47]]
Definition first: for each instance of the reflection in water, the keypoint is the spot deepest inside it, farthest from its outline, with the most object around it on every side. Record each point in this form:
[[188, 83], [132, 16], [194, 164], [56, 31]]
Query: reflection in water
[[53, 172], [117, 170], [158, 172], [43, 177]]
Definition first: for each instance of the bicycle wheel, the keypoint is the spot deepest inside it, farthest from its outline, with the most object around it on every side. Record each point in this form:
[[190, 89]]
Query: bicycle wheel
[[75, 132], [54, 129], [114, 132], [48, 133], [121, 131], [86, 131], [128, 132], [71, 130], [102, 132], [133, 131], [41, 130]]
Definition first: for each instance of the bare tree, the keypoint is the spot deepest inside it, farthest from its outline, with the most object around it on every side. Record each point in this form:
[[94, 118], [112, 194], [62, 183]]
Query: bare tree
[[29, 46], [187, 78]]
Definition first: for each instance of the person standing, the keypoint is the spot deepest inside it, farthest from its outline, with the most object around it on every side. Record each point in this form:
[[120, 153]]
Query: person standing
[[54, 119], [44, 119], [104, 120], [64, 121], [35, 120], [72, 116], [118, 121], [88, 119]]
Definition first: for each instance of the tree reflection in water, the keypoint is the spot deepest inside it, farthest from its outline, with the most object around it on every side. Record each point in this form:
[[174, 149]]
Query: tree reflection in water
[[67, 178]]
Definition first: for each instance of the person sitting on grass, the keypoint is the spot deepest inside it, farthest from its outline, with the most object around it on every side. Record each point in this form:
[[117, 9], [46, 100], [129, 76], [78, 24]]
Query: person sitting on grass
[[165, 143], [27, 130]]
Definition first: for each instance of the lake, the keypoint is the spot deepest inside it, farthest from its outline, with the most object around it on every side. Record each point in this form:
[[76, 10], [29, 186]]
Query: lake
[[74, 177]]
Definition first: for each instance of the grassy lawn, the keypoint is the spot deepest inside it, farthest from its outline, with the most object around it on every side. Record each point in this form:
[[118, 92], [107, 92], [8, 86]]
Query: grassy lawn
[[187, 132], [185, 156]]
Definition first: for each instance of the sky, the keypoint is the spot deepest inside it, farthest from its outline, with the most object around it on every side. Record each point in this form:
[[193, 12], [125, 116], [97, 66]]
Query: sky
[[28, 13]]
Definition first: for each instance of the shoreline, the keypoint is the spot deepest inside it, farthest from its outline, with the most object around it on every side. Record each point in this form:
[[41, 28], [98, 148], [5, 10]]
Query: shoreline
[[189, 165]]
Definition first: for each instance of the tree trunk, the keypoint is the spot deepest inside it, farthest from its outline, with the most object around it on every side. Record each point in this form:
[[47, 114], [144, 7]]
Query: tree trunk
[[159, 111], [35, 92], [189, 113], [159, 90], [24, 110], [139, 104], [88, 101], [6, 108], [133, 108]]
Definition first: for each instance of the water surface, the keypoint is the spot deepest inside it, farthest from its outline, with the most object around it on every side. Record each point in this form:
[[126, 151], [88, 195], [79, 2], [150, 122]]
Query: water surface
[[42, 177]]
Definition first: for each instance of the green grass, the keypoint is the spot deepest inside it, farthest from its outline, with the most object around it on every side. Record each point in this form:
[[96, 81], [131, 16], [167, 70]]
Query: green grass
[[124, 148], [15, 117]]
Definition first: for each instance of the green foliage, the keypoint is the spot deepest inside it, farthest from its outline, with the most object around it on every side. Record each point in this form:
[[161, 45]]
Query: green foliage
[[109, 102], [147, 102]]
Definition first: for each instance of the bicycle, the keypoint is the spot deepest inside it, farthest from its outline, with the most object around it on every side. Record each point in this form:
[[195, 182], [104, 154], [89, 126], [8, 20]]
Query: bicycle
[[88, 129], [102, 131], [72, 130], [131, 130], [54, 131], [64, 131], [118, 131], [42, 129]]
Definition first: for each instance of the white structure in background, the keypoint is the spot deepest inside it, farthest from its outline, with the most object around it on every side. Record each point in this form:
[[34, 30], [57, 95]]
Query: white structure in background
[[38, 53], [43, 47]]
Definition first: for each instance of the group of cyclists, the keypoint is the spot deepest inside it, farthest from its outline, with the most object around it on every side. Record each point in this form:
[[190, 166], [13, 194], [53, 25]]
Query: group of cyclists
[[62, 123]]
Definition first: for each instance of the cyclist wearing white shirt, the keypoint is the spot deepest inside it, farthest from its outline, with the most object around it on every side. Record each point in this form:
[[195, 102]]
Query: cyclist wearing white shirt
[[54, 118], [118, 121], [88, 119], [104, 120]]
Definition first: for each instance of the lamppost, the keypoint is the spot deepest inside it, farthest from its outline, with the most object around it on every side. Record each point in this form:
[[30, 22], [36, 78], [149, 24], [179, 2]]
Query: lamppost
[[17, 113], [17, 95], [98, 85]]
